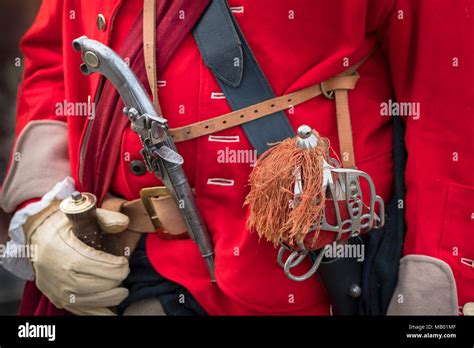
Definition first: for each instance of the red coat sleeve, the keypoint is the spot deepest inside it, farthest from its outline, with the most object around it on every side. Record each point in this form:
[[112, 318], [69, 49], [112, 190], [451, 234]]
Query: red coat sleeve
[[43, 81], [429, 46], [40, 157]]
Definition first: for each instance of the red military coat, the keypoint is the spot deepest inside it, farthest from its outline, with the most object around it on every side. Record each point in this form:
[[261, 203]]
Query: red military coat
[[296, 44]]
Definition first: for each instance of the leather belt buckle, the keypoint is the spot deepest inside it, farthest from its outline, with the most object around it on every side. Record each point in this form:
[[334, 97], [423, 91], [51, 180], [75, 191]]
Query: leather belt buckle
[[146, 194]]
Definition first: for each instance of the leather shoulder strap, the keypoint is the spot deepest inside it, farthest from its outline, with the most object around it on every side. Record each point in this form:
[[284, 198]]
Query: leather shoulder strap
[[226, 52], [344, 128], [343, 117], [149, 49]]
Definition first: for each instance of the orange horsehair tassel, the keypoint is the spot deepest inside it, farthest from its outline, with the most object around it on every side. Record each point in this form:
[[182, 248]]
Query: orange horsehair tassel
[[286, 198]]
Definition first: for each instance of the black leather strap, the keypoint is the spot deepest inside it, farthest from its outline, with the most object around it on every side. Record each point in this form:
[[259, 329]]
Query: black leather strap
[[226, 52]]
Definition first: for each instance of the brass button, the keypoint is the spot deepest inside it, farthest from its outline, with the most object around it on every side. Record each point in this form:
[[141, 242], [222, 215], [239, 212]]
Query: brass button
[[101, 22], [137, 167]]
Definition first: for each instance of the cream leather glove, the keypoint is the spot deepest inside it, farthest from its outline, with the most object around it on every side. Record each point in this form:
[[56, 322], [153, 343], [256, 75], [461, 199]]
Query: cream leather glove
[[71, 274]]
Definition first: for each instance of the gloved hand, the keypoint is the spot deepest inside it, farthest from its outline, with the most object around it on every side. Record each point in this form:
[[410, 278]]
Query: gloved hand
[[72, 275]]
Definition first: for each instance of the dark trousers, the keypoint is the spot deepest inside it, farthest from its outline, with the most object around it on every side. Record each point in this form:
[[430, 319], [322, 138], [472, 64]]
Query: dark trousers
[[385, 246], [145, 282]]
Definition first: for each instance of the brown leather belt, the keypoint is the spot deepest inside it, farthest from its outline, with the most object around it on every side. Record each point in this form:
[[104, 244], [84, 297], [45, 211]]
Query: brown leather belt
[[147, 215], [236, 118], [154, 212]]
